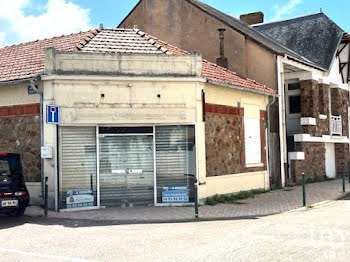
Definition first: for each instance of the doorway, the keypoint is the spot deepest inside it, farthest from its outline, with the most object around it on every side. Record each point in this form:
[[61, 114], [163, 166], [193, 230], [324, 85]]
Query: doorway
[[126, 166], [330, 160]]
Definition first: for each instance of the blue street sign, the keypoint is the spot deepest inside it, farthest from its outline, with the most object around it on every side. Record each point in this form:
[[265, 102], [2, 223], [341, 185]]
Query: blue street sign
[[52, 114]]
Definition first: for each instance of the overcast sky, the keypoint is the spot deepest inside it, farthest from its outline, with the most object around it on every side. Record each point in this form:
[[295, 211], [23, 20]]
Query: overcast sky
[[28, 20]]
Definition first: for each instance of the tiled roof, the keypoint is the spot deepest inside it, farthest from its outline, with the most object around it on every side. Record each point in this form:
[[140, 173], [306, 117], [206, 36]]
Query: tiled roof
[[119, 40], [217, 74], [27, 60], [315, 37]]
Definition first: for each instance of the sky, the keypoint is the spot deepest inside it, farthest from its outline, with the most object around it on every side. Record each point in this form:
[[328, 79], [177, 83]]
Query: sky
[[29, 20]]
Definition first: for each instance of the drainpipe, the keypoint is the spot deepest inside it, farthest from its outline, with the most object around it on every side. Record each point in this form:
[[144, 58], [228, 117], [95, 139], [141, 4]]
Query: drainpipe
[[282, 117], [32, 85], [269, 149]]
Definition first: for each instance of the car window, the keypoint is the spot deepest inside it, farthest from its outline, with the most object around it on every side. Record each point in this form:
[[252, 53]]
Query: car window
[[5, 172]]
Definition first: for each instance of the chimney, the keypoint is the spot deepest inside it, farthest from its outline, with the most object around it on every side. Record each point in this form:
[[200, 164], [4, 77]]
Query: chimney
[[222, 60], [253, 18]]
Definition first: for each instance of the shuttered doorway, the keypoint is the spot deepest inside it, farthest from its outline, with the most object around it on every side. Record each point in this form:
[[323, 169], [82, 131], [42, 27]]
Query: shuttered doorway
[[77, 162], [126, 167]]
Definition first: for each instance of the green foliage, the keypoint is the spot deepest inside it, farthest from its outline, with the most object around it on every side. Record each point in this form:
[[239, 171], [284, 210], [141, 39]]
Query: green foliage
[[230, 198]]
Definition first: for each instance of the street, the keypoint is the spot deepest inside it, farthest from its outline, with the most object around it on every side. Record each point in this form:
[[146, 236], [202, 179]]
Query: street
[[317, 234]]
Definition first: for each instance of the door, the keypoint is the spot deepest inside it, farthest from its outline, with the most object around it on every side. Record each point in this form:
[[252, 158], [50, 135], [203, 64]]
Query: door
[[293, 108], [126, 169], [330, 160]]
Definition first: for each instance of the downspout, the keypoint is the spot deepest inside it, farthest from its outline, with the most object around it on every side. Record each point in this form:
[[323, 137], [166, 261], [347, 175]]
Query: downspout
[[41, 94], [282, 118], [269, 149]]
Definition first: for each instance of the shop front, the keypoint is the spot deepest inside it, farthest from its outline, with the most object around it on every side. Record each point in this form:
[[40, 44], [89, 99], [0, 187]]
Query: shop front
[[108, 166]]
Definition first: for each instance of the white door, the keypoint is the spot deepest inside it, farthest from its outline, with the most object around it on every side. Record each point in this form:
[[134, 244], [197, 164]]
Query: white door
[[330, 160]]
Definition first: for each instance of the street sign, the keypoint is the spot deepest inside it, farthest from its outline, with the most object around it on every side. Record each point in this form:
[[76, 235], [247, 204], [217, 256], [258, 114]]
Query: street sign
[[52, 114]]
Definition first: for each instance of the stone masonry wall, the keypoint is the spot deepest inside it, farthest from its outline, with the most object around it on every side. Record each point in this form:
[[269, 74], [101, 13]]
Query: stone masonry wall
[[315, 101], [340, 103], [224, 141], [341, 157], [20, 133], [314, 163]]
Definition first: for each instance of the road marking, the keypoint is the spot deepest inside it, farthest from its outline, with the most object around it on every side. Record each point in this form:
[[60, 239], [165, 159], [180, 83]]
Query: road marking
[[33, 254]]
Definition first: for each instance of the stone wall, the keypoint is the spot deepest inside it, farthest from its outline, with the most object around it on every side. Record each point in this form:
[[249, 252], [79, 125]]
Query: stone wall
[[224, 141], [314, 163], [340, 103], [20, 133], [341, 157]]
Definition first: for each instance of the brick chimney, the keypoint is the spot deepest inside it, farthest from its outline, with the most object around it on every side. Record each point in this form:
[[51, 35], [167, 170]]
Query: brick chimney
[[222, 60], [253, 18]]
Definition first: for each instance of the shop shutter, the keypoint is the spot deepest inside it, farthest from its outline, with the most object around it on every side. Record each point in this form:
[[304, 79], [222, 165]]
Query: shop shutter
[[175, 158], [77, 160], [126, 170], [252, 141]]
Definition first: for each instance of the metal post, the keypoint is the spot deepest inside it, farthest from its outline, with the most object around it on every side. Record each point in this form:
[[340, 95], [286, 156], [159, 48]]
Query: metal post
[[46, 196], [343, 178], [303, 185], [195, 197]]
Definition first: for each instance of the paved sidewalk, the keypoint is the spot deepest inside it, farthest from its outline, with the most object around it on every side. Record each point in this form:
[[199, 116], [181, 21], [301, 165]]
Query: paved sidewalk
[[273, 202]]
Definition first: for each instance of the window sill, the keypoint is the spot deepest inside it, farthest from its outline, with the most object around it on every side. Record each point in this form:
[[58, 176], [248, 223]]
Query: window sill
[[255, 165]]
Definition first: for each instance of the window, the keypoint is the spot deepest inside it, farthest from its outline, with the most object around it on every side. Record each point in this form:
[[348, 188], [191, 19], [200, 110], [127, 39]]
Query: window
[[294, 86], [252, 141], [294, 104]]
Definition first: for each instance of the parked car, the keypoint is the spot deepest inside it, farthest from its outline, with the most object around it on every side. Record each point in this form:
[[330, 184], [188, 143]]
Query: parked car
[[14, 196]]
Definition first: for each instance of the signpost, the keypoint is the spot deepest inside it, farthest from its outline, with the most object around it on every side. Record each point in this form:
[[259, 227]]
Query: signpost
[[52, 114]]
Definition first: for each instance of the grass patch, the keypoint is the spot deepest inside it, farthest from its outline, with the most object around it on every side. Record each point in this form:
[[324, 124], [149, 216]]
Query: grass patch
[[222, 199], [318, 179]]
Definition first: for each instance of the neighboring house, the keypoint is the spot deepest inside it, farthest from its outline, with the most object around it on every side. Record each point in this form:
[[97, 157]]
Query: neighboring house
[[317, 98], [140, 120], [20, 107], [306, 51]]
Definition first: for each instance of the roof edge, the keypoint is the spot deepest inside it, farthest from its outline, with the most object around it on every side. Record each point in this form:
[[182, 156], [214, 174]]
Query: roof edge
[[240, 88], [132, 10]]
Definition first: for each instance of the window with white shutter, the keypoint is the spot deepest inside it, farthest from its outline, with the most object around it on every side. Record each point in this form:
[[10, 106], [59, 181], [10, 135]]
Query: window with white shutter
[[252, 141]]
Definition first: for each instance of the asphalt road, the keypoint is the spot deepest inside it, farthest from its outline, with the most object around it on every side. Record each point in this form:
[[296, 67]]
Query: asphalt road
[[317, 234]]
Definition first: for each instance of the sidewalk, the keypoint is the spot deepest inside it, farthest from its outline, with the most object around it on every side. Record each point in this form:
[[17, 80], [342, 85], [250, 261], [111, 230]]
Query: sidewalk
[[273, 202]]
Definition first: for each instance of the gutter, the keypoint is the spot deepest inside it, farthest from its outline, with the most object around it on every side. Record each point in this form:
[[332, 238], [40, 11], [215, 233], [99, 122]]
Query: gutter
[[20, 81], [247, 89], [268, 137]]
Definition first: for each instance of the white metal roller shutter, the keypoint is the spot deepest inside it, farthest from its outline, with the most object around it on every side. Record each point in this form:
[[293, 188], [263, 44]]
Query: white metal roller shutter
[[118, 156], [77, 160], [175, 158]]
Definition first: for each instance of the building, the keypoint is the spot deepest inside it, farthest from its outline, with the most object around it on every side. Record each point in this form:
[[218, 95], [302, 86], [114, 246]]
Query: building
[[139, 120], [317, 98], [308, 130]]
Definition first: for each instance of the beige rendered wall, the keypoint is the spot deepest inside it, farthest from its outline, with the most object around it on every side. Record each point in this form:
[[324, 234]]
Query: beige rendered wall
[[261, 65], [17, 95], [232, 183], [185, 26]]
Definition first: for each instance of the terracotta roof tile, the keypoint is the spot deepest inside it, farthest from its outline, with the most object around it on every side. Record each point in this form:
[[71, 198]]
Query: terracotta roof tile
[[218, 74], [27, 60]]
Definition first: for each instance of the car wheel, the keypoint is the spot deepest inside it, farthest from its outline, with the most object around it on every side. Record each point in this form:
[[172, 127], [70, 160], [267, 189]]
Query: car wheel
[[17, 212]]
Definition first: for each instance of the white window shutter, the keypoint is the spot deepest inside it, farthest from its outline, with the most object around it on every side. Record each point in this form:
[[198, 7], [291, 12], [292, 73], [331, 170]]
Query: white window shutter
[[252, 141]]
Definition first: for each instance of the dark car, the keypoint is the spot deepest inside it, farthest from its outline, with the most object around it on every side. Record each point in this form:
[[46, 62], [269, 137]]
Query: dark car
[[14, 196]]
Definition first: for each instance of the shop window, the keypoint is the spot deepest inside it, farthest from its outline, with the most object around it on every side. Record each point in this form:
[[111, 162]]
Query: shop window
[[176, 163], [294, 104]]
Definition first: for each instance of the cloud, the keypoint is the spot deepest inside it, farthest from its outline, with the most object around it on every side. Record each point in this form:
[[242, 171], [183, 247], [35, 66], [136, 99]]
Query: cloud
[[288, 8], [58, 17]]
